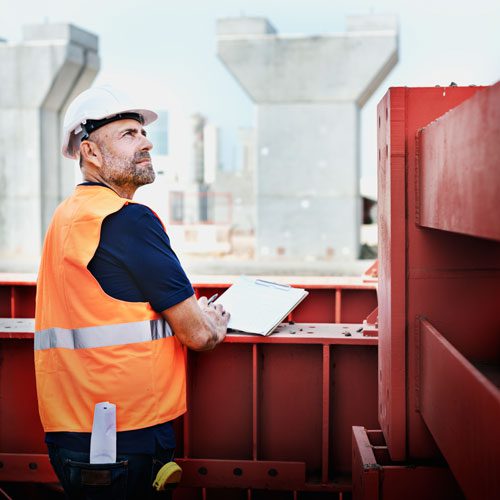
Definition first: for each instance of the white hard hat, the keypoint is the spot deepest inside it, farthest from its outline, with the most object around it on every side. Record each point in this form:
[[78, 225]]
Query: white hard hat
[[105, 104]]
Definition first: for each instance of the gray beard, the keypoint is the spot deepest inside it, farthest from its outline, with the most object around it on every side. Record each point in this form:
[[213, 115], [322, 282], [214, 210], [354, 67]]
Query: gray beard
[[125, 172]]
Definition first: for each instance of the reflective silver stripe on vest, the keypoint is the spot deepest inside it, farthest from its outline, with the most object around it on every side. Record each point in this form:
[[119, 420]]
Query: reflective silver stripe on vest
[[102, 336]]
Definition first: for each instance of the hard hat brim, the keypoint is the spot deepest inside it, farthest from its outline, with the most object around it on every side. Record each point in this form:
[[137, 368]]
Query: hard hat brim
[[72, 141]]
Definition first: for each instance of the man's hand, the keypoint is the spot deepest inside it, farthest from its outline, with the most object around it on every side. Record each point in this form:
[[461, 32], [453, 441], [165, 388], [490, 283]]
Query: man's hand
[[197, 324], [216, 314]]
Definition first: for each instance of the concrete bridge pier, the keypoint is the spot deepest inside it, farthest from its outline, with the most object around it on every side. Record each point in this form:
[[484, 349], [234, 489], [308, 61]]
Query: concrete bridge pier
[[308, 91], [38, 78]]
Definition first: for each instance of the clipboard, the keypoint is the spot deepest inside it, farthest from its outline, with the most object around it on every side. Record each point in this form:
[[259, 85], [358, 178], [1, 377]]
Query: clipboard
[[259, 306]]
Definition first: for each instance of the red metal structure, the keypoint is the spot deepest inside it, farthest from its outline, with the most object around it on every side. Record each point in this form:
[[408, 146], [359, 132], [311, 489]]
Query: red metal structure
[[271, 414], [439, 287], [274, 417]]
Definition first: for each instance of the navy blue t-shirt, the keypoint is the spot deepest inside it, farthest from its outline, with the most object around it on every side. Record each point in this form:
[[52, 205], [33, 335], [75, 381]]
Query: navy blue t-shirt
[[134, 262]]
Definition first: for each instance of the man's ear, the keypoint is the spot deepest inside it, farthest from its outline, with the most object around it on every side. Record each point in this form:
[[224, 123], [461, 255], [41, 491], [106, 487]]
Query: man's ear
[[90, 153]]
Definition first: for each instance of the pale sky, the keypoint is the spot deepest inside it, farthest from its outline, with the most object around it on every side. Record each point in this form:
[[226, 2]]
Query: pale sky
[[166, 49]]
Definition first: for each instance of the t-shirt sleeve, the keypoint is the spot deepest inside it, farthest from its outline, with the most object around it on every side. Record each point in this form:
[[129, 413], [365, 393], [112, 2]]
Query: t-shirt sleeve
[[146, 253]]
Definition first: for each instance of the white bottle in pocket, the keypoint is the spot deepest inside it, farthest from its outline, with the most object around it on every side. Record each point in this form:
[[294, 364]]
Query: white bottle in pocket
[[103, 439]]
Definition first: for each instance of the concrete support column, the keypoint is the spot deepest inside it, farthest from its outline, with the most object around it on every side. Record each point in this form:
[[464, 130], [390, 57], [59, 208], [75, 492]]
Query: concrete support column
[[38, 79], [308, 92], [308, 183]]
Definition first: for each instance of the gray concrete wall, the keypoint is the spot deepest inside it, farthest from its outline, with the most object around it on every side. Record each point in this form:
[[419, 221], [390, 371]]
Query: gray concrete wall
[[308, 91], [308, 195], [38, 78]]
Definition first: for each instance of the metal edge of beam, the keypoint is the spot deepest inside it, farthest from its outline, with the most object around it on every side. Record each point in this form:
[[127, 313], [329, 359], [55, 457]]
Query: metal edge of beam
[[458, 158], [461, 408]]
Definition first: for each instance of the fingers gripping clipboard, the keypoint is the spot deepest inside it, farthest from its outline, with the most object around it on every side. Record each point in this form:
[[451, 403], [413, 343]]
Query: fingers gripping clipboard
[[259, 306]]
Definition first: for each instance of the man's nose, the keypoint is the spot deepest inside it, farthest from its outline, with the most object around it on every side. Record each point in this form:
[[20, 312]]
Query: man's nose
[[147, 144]]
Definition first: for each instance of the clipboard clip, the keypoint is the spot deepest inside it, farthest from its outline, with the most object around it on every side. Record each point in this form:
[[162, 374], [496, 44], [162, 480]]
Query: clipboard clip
[[272, 284]]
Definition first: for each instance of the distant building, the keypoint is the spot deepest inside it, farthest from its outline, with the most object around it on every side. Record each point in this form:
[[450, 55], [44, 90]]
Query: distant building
[[240, 186]]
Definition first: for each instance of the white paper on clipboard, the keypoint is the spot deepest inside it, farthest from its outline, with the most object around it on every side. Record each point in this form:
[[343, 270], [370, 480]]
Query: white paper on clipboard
[[259, 306]]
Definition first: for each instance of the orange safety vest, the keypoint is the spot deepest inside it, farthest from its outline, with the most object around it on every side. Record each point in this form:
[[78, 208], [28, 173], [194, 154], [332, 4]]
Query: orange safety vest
[[90, 347]]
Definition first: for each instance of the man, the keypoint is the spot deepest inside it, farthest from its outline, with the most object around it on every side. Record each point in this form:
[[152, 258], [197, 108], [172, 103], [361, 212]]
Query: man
[[113, 309]]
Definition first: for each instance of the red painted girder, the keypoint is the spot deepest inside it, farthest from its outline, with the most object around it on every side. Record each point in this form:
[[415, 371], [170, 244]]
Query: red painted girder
[[309, 333], [371, 274], [254, 474], [391, 113], [461, 408], [296, 333], [459, 161], [17, 328], [26, 468], [213, 473], [374, 476], [419, 482], [309, 282], [372, 318], [365, 469], [402, 248]]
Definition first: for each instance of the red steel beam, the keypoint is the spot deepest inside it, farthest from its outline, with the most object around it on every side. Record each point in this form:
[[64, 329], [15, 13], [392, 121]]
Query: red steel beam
[[365, 469], [242, 474], [325, 417], [26, 468], [417, 482], [334, 353], [391, 113], [375, 476], [461, 408], [295, 333], [406, 250], [459, 158], [309, 333]]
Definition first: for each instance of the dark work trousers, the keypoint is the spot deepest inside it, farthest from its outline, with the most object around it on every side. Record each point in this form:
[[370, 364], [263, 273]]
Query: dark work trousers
[[130, 478]]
